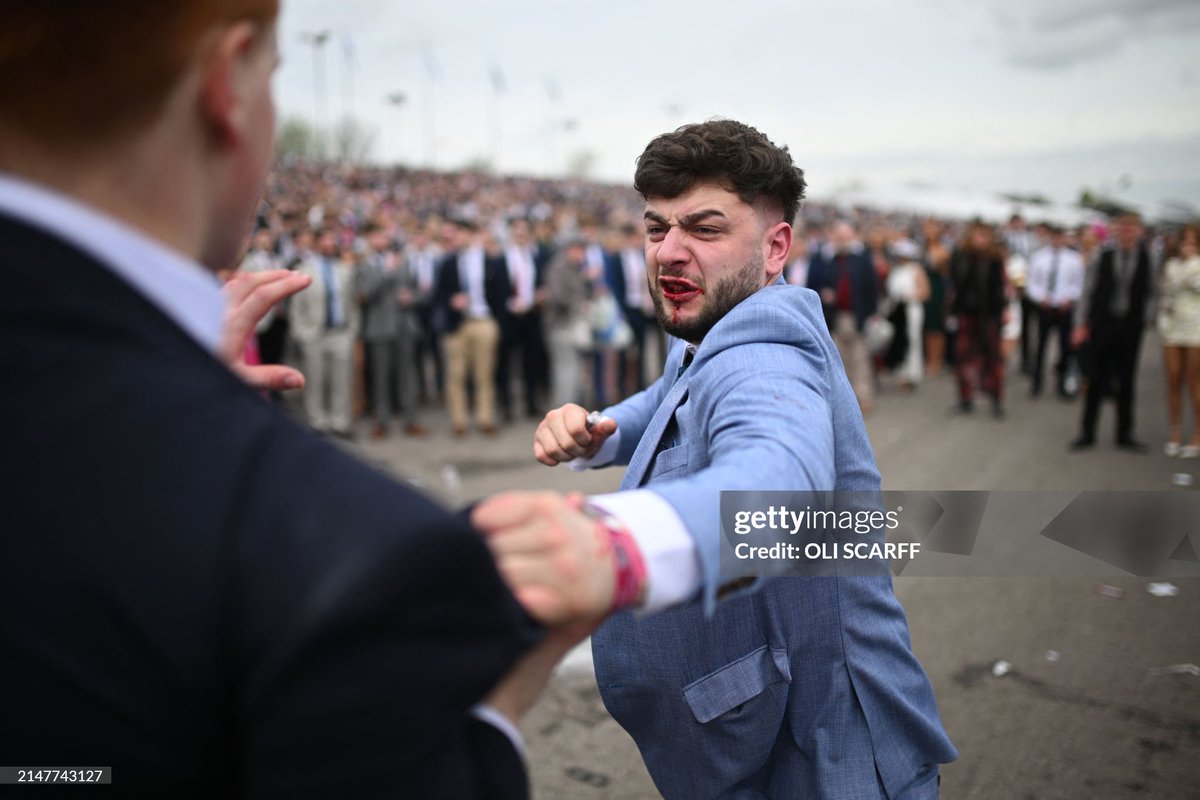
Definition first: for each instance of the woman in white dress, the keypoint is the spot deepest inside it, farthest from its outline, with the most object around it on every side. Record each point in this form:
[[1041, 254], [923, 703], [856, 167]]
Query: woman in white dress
[[1179, 326], [908, 284]]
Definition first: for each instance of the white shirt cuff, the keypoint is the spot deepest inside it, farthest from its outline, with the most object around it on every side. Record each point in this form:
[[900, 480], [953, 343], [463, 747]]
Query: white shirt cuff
[[605, 455], [503, 724], [668, 550]]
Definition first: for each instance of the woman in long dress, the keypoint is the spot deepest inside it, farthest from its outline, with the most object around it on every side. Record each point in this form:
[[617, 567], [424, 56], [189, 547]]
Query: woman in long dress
[[908, 286]]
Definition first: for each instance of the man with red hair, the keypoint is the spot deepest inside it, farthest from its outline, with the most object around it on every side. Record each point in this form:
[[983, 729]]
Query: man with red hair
[[196, 591]]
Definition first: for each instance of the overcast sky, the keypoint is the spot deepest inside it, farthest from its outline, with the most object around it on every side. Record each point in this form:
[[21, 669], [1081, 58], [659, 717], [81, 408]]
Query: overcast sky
[[991, 95]]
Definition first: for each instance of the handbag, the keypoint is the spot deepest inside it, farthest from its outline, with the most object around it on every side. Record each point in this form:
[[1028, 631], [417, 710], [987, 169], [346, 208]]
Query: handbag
[[878, 334], [610, 331], [579, 332]]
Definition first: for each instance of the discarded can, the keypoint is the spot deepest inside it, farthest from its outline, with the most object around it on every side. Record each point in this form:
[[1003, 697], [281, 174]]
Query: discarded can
[[1182, 479], [1115, 592], [1163, 589], [1052, 655], [1001, 668]]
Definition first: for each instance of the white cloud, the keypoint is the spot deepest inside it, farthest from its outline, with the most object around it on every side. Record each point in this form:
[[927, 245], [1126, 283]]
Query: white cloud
[[1044, 35]]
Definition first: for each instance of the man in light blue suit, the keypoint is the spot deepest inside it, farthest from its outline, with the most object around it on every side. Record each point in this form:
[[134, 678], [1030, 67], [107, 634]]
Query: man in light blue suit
[[795, 687]]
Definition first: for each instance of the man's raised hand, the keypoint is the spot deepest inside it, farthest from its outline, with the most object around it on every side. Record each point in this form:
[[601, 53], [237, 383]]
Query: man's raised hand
[[563, 435], [251, 295]]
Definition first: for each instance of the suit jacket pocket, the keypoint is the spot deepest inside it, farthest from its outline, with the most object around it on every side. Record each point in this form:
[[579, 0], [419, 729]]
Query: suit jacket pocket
[[736, 683], [669, 461], [738, 711]]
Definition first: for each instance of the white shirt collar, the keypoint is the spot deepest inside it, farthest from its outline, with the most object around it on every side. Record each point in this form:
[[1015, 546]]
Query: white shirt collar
[[183, 290]]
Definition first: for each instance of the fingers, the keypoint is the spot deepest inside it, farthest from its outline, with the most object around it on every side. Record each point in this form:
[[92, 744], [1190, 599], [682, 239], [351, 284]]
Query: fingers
[[271, 377], [265, 293], [555, 558], [605, 428], [563, 435], [509, 509], [541, 455], [251, 296]]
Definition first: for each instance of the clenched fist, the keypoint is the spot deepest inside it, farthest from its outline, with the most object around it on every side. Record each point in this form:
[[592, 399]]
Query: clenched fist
[[564, 435], [557, 560]]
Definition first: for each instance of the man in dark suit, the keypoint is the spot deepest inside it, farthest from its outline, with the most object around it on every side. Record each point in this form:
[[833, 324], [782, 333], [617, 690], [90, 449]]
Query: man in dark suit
[[845, 279], [526, 261], [1109, 320], [634, 301], [471, 301], [195, 590]]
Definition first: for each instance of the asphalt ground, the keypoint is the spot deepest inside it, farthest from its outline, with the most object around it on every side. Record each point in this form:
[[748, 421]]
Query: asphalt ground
[[1081, 711]]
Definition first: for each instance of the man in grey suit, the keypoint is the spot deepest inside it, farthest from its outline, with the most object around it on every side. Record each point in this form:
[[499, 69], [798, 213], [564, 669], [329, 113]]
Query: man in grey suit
[[324, 319], [386, 289], [795, 686]]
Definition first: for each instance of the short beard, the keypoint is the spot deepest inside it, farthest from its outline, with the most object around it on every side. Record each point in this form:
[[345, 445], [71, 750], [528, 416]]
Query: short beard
[[726, 293]]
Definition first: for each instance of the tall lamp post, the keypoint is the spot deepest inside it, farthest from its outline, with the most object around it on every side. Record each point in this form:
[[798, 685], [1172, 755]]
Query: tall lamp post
[[317, 40], [397, 100]]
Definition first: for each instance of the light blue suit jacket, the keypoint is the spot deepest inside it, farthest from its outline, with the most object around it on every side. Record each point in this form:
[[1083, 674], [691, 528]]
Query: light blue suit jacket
[[804, 687]]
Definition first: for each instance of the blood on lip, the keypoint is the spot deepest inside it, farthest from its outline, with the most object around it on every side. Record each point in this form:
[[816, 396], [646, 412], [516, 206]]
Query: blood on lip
[[678, 286]]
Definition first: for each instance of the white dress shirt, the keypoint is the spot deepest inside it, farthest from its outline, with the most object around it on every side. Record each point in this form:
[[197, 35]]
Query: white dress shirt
[[471, 278], [1055, 276], [424, 265], [633, 263], [522, 272]]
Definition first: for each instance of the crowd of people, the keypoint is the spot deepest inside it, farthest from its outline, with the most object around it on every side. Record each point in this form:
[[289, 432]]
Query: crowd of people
[[504, 296]]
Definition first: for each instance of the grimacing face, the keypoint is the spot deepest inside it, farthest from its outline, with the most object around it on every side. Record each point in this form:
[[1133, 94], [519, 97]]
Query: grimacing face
[[706, 251]]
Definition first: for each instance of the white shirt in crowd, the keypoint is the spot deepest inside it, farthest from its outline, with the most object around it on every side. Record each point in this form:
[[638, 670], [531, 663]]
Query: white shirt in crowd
[[1055, 276], [633, 262], [523, 273], [470, 264]]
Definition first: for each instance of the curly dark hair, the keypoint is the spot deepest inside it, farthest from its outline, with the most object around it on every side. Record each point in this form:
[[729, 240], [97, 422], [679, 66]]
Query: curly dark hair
[[727, 152]]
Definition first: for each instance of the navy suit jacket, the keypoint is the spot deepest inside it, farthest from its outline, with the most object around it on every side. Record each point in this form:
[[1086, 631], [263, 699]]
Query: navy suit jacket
[[807, 686], [864, 289], [497, 289], [209, 598]]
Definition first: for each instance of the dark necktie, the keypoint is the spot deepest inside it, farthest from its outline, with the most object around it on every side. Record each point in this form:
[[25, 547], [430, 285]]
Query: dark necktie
[[688, 355], [333, 299], [1053, 283]]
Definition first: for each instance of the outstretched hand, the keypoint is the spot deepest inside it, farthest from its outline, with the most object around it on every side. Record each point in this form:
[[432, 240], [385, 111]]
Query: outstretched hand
[[251, 295], [556, 559], [563, 435]]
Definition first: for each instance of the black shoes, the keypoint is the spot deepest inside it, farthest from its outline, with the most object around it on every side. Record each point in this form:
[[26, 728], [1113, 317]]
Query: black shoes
[[1133, 445], [1127, 443]]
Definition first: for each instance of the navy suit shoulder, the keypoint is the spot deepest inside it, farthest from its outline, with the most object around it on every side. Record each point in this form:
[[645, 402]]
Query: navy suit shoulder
[[217, 601], [497, 287], [448, 283]]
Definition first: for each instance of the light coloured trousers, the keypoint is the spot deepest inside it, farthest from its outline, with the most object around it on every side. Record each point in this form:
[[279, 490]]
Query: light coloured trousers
[[328, 366], [472, 349]]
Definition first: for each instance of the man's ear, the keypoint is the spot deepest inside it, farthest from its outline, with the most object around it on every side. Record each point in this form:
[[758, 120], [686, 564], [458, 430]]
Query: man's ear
[[777, 242], [226, 80]]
